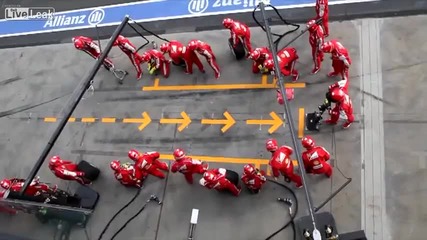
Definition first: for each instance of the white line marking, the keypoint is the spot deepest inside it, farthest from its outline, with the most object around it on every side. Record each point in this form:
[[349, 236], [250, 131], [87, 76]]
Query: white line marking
[[194, 216], [179, 17]]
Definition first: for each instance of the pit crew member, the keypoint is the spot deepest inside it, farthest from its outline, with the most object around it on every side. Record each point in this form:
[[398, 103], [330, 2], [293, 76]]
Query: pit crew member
[[315, 158], [187, 165]]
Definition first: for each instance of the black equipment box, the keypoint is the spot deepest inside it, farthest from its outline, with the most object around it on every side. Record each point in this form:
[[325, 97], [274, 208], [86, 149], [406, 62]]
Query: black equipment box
[[88, 197], [312, 121], [239, 52], [91, 172], [323, 219]]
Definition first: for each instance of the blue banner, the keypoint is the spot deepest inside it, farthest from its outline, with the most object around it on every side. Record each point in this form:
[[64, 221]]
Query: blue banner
[[154, 10]]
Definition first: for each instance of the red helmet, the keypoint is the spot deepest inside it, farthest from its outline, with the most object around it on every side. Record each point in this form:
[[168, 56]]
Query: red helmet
[[119, 39], [165, 47], [311, 25], [115, 165], [54, 159], [208, 176], [308, 142], [146, 57], [269, 64], [255, 55], [178, 154], [227, 22], [133, 154], [337, 95], [78, 43], [248, 169], [6, 184], [192, 45], [327, 47], [271, 145]]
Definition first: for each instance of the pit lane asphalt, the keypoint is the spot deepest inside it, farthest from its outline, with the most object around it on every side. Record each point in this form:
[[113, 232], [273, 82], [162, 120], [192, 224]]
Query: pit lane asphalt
[[38, 74], [383, 8]]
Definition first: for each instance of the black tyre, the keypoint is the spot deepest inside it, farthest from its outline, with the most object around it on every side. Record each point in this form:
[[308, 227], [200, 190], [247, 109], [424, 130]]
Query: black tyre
[[91, 172], [232, 176], [238, 52]]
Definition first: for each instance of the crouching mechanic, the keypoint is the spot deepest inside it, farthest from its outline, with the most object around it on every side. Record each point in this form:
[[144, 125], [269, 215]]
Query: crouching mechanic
[[156, 61], [130, 50], [281, 162], [205, 50], [315, 158], [126, 174], [287, 58], [215, 179], [342, 104], [67, 170], [187, 165], [253, 178], [88, 46], [179, 55], [239, 33], [148, 162], [34, 189], [259, 56]]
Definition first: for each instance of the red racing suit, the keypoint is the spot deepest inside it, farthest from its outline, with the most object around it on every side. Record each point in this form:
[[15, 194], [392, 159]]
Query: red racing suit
[[130, 50], [316, 39], [322, 11], [220, 182], [126, 175], [34, 189], [205, 50], [149, 163], [93, 50], [188, 167], [287, 58], [281, 163], [341, 60], [343, 84], [315, 161], [344, 106], [240, 33], [67, 170], [257, 64], [255, 181], [179, 53], [158, 60]]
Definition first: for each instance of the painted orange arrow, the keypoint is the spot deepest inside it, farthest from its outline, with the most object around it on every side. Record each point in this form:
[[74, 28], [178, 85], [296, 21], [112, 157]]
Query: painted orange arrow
[[228, 122], [275, 123], [184, 121], [145, 120]]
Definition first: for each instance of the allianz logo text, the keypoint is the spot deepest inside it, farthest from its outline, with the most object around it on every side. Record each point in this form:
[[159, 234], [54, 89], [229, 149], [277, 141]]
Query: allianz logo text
[[64, 20], [200, 6]]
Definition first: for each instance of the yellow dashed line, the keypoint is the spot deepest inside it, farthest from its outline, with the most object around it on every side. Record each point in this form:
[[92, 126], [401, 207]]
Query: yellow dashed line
[[49, 119], [108, 120], [88, 120]]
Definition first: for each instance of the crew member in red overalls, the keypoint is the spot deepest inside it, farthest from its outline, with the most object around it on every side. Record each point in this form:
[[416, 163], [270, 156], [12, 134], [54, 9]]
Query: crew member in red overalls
[[205, 50]]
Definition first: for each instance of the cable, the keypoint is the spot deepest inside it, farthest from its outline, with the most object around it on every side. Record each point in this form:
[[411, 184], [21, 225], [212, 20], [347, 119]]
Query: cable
[[150, 32], [280, 36], [291, 213], [152, 198], [117, 213]]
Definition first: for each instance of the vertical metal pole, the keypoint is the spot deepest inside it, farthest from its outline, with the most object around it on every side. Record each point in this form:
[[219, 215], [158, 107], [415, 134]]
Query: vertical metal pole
[[287, 111], [72, 104]]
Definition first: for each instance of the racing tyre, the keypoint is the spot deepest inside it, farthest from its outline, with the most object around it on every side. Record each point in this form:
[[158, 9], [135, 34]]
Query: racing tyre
[[232, 176], [312, 121], [238, 52], [91, 172]]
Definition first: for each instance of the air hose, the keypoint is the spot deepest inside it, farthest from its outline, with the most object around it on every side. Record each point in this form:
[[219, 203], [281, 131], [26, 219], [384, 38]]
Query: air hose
[[117, 213], [291, 213], [280, 36]]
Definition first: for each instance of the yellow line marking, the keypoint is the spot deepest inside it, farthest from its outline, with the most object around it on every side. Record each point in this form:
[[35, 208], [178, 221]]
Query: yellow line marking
[[228, 122], [184, 121], [144, 121], [108, 120], [275, 123], [258, 166], [71, 119], [301, 122], [49, 119], [262, 85], [88, 120], [268, 173]]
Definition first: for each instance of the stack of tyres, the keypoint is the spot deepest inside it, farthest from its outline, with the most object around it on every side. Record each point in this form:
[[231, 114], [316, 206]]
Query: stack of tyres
[[239, 51], [91, 172]]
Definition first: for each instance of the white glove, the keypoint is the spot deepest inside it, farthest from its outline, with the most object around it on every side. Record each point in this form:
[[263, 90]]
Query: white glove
[[202, 182]]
